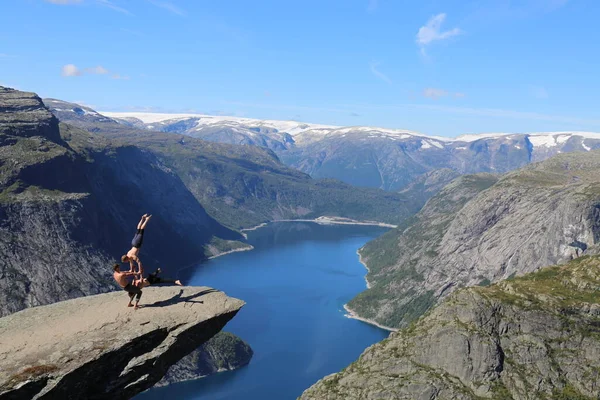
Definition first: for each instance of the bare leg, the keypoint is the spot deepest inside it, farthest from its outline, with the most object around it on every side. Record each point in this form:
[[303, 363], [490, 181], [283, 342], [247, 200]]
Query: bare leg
[[130, 300], [139, 225], [144, 221]]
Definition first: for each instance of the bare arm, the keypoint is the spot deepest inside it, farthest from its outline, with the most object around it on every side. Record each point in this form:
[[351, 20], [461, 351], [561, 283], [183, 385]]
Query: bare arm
[[139, 264]]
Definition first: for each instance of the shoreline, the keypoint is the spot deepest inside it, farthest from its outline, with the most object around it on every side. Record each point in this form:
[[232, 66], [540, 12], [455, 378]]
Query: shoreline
[[339, 221], [324, 221], [250, 247], [351, 314], [360, 260]]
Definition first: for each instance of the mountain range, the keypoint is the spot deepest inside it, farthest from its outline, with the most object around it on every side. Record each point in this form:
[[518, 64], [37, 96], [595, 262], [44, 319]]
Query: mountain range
[[366, 156]]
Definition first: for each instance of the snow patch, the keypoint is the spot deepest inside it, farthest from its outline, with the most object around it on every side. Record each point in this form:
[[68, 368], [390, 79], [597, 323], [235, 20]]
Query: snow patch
[[585, 147], [542, 140]]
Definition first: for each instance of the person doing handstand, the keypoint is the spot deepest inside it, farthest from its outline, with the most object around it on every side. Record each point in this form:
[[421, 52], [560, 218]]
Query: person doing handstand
[[136, 245]]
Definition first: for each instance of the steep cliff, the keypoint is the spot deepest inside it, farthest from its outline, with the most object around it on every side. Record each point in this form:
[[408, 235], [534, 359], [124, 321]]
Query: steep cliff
[[97, 348], [533, 337], [69, 203], [223, 352], [477, 231]]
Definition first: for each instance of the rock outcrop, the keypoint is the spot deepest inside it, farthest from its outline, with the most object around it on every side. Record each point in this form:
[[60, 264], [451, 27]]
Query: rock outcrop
[[23, 114], [69, 203], [97, 348], [223, 352], [529, 338], [479, 230]]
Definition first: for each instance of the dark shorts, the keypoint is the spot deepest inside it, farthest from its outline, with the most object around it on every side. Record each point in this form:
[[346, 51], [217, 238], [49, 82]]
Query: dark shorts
[[133, 291], [138, 239]]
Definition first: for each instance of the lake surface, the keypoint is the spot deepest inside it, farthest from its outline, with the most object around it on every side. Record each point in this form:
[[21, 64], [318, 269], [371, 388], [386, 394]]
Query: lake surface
[[295, 283]]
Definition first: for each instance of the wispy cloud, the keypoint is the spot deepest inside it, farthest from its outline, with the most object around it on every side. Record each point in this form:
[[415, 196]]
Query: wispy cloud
[[375, 71], [113, 6], [98, 70], [373, 5], [432, 32], [435, 93], [172, 8], [70, 70]]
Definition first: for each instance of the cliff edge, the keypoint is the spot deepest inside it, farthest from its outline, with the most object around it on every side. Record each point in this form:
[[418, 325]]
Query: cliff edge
[[535, 337], [97, 348]]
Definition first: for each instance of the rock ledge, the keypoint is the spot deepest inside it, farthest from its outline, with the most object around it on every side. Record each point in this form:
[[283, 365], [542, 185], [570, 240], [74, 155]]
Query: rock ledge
[[96, 348]]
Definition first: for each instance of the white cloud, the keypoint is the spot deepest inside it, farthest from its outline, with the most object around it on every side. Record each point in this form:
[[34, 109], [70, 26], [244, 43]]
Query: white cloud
[[432, 32], [172, 8], [459, 95], [63, 2], [434, 93], [71, 70], [98, 70], [378, 73]]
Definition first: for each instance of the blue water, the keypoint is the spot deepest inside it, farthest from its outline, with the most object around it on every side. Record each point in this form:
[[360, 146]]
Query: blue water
[[295, 283]]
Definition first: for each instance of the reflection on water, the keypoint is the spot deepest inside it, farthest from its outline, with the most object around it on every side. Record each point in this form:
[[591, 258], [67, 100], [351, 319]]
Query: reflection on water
[[295, 283]]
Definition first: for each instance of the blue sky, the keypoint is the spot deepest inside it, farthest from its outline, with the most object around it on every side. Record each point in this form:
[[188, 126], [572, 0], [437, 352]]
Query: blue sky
[[441, 67]]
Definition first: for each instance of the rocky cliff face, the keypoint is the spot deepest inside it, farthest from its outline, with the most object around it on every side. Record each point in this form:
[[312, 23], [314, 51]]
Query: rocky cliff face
[[477, 231], [223, 352], [69, 204], [23, 114], [534, 337], [97, 348]]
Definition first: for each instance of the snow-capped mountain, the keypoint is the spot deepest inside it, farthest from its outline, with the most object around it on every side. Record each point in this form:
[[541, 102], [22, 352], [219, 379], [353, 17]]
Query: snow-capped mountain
[[360, 155]]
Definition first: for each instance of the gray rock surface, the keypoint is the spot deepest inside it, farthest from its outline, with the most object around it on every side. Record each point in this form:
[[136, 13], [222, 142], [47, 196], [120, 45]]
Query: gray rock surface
[[530, 338], [477, 231], [97, 348], [23, 114], [223, 352]]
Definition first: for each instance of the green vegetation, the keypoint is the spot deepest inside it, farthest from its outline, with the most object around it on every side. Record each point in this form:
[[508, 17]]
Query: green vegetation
[[218, 246], [243, 186], [398, 259]]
